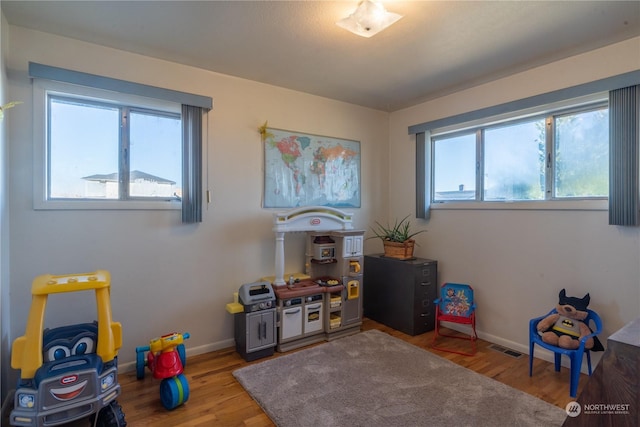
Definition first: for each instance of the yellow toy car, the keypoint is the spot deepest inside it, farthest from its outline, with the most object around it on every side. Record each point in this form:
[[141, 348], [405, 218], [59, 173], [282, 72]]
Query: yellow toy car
[[70, 372]]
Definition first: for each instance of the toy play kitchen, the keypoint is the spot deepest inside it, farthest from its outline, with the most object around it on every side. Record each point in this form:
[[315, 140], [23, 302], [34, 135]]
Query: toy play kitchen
[[325, 302], [322, 303]]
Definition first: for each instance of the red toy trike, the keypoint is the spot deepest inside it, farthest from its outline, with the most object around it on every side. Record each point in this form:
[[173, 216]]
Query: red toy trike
[[166, 359]]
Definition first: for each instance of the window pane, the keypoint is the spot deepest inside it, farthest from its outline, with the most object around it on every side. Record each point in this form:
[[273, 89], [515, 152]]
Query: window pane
[[514, 162], [582, 154], [454, 172], [155, 149], [83, 150]]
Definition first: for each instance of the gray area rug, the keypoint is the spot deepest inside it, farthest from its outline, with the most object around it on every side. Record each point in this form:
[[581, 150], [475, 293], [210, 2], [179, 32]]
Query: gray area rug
[[374, 379]]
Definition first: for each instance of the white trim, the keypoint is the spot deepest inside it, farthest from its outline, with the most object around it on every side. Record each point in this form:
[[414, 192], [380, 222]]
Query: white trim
[[120, 86], [118, 98], [538, 353], [534, 205], [603, 85], [83, 204], [41, 89], [550, 111], [537, 111], [190, 351]]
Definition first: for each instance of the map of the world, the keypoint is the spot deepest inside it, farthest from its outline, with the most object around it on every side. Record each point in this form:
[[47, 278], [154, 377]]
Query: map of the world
[[310, 170]]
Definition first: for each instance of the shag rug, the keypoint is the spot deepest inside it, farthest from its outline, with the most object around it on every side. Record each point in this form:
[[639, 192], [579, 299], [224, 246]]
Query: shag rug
[[373, 379]]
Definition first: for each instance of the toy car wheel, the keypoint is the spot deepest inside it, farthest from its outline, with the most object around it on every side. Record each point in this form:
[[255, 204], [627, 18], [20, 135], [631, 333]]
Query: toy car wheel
[[140, 365], [174, 391], [110, 416], [183, 354]]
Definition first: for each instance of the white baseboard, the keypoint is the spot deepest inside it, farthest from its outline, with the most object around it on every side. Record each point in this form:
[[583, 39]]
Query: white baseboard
[[191, 351], [539, 352]]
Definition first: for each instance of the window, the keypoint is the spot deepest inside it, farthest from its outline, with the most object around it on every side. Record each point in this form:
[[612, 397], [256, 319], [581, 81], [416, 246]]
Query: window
[[92, 145], [454, 172], [514, 161], [581, 147], [101, 149], [562, 155]]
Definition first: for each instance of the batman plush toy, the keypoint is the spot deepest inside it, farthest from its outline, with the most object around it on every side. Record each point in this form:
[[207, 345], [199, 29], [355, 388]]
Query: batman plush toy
[[565, 328]]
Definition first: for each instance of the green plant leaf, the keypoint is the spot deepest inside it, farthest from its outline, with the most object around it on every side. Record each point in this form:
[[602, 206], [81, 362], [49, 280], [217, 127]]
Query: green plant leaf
[[399, 232]]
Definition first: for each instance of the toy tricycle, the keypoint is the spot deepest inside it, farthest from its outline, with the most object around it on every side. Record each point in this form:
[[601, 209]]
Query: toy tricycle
[[166, 359]]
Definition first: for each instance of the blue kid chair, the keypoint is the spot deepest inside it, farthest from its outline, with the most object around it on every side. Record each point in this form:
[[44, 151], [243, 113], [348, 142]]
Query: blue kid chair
[[456, 305], [574, 355]]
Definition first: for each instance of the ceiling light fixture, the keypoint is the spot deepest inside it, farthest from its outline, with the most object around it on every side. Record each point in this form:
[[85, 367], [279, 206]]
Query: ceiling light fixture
[[368, 19]]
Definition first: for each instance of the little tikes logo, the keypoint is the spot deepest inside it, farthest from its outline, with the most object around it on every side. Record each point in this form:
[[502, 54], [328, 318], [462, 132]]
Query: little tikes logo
[[69, 380], [315, 221]]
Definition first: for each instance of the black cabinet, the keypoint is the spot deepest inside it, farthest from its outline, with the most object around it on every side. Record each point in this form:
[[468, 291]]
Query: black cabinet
[[400, 294]]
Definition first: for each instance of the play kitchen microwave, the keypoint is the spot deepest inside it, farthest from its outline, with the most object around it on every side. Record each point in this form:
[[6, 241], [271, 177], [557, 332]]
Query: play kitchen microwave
[[324, 248], [324, 252]]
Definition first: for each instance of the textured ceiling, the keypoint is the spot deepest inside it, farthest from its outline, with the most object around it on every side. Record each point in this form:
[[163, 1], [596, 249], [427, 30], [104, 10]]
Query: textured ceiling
[[437, 48]]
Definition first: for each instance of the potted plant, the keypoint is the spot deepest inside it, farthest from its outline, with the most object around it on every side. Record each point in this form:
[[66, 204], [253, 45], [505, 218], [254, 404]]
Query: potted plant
[[397, 239]]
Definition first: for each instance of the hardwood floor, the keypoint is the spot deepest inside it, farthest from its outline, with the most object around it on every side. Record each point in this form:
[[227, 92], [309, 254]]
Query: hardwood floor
[[217, 399]]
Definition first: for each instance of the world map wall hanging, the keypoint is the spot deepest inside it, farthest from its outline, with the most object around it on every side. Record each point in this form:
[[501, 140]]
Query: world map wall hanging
[[309, 170]]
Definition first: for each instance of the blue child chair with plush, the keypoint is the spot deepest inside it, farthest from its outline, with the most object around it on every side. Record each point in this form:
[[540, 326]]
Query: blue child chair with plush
[[575, 356], [456, 305]]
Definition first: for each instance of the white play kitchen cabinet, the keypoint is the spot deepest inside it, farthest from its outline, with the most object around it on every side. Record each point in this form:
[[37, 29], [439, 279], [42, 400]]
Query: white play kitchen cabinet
[[325, 302], [352, 245]]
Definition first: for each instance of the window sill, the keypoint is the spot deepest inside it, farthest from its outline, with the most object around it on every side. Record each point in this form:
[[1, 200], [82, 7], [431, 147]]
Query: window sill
[[107, 205], [546, 205]]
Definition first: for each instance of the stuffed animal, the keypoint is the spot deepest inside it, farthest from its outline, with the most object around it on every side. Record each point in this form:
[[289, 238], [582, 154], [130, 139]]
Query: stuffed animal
[[565, 328]]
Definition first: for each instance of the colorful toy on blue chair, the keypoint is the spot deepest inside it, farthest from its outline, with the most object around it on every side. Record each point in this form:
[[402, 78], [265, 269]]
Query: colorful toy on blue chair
[[166, 359], [566, 330]]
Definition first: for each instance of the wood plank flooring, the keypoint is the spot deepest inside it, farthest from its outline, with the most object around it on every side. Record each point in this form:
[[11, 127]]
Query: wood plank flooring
[[217, 399]]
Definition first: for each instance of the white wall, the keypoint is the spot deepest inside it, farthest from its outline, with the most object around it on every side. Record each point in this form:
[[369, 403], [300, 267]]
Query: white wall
[[4, 223], [167, 276], [518, 260]]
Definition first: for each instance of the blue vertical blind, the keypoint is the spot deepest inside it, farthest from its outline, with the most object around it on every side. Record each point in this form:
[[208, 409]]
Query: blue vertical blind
[[191, 164], [624, 156], [423, 176]]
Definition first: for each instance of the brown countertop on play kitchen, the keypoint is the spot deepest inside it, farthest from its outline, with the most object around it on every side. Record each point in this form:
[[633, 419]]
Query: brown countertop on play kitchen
[[303, 288]]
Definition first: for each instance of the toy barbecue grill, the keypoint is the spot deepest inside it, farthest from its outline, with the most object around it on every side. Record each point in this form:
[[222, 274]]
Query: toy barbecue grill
[[257, 296], [255, 328]]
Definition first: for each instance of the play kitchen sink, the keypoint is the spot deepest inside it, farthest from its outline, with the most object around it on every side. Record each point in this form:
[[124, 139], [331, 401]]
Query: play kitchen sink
[[297, 288]]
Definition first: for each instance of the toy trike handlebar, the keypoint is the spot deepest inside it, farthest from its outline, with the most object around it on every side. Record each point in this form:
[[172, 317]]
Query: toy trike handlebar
[[164, 343]]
